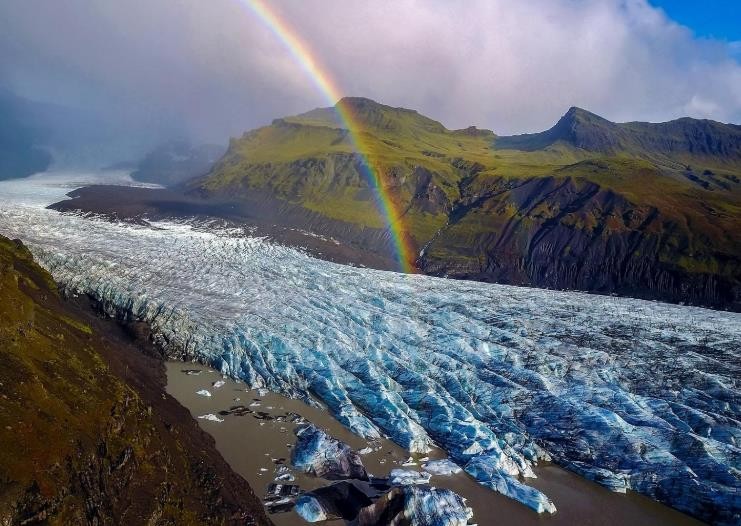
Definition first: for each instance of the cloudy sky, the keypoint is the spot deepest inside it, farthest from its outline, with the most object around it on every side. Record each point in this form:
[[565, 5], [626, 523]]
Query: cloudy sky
[[211, 69]]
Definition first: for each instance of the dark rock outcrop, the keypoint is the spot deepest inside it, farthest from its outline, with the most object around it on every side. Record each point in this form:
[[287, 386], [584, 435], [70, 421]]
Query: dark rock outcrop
[[341, 500], [411, 505], [564, 233]]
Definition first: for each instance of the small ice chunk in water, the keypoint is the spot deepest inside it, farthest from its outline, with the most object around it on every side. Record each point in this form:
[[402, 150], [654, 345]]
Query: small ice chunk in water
[[203, 392], [442, 467], [219, 383], [406, 477], [262, 391], [366, 450], [211, 417]]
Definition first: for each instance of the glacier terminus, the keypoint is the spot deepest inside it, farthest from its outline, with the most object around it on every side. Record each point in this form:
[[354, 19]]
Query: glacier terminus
[[635, 395]]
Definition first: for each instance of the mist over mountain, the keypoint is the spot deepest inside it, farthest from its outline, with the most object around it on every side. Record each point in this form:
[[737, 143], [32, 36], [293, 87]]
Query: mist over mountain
[[35, 136], [176, 162], [21, 139], [151, 72]]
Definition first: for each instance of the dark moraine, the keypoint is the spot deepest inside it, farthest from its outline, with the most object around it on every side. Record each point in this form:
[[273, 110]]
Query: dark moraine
[[264, 216]]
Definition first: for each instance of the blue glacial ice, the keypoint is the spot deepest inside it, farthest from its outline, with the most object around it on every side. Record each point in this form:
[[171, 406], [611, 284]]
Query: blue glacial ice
[[632, 394], [309, 509], [321, 455]]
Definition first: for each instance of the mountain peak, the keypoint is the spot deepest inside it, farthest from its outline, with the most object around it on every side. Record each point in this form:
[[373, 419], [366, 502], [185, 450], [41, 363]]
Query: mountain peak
[[577, 127], [371, 114], [576, 111], [582, 116], [585, 130], [359, 102]]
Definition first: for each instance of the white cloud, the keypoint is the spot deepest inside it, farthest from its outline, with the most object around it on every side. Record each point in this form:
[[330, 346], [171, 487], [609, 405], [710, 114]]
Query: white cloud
[[512, 66]]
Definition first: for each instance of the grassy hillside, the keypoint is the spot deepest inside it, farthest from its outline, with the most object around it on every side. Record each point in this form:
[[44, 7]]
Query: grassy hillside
[[666, 197], [80, 444]]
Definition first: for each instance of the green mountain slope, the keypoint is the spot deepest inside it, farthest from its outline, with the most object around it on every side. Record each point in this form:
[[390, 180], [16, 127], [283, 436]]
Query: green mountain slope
[[651, 210], [88, 435]]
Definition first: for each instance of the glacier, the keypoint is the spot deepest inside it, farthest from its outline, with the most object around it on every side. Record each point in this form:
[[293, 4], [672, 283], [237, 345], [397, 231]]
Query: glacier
[[633, 394]]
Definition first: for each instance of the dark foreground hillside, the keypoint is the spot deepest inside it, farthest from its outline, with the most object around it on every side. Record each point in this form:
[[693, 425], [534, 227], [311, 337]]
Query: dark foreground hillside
[[87, 435]]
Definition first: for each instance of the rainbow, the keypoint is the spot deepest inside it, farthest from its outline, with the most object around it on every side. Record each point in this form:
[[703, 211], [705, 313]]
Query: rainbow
[[324, 82]]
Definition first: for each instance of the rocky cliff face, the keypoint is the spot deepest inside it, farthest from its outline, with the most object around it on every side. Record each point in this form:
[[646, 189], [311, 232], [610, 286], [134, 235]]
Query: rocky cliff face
[[88, 435], [567, 233]]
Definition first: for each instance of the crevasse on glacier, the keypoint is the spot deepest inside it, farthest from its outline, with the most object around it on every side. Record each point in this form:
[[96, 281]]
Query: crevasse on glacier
[[632, 394]]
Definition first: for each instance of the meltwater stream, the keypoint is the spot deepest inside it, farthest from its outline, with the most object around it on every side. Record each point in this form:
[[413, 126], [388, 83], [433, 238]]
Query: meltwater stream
[[632, 394]]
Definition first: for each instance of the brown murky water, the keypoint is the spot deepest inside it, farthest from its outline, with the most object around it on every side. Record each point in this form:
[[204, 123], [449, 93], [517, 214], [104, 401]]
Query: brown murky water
[[257, 444]]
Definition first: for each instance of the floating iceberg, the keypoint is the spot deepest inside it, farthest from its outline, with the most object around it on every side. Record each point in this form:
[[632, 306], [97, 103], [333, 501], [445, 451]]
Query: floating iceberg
[[323, 456], [203, 392], [416, 505], [310, 509], [211, 417], [341, 500], [632, 394], [487, 471], [406, 477]]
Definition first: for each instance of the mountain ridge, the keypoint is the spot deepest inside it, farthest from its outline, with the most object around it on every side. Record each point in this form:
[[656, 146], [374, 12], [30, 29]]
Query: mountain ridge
[[640, 209], [459, 194], [586, 130]]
